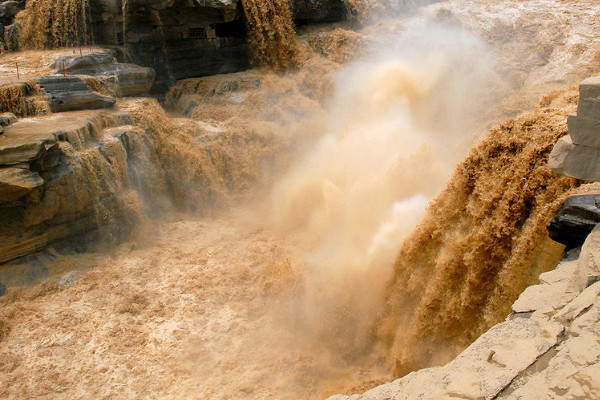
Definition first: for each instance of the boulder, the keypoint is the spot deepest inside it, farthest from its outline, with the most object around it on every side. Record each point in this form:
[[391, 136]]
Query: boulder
[[577, 217], [126, 79], [16, 183], [68, 93], [7, 118], [9, 9], [577, 161], [71, 64]]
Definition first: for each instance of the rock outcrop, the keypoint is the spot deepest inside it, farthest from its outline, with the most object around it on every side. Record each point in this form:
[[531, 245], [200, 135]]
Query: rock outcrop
[[578, 154], [69, 93], [577, 217], [549, 347], [122, 79], [177, 39], [60, 176]]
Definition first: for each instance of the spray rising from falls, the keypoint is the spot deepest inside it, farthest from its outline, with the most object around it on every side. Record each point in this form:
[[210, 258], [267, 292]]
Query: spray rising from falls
[[396, 126], [482, 242]]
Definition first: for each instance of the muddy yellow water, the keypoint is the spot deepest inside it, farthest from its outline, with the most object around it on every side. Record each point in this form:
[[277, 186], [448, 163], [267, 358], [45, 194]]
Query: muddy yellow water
[[285, 272]]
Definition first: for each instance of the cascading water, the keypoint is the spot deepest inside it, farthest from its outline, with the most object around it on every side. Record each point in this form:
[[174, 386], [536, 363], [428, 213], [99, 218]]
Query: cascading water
[[64, 24], [481, 243], [291, 291], [271, 33]]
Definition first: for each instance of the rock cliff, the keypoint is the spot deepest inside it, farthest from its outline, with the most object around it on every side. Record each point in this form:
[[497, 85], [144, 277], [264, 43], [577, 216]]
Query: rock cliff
[[178, 39], [578, 154]]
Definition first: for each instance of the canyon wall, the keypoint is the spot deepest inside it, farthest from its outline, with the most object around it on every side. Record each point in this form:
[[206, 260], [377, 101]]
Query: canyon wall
[[178, 39]]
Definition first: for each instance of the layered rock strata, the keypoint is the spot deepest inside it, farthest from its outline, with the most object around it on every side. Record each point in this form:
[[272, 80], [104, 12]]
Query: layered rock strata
[[578, 154], [60, 176], [177, 39]]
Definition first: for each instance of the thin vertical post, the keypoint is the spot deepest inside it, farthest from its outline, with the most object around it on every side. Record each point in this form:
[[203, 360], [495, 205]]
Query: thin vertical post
[[18, 76]]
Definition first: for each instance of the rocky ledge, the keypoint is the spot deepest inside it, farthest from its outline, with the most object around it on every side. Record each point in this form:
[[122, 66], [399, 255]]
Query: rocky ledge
[[578, 154], [549, 347], [66, 168], [59, 174]]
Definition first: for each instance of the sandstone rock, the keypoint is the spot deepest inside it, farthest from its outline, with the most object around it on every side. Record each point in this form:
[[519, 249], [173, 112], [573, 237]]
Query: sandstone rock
[[547, 298], [77, 62], [127, 79], [66, 186], [16, 183], [575, 160], [17, 150], [68, 93], [589, 98], [551, 352], [588, 270], [574, 221], [584, 131], [577, 155], [34, 140], [7, 118], [182, 40]]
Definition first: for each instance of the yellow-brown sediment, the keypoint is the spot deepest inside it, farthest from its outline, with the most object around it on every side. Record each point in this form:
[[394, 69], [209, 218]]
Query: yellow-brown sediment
[[482, 242], [271, 33], [47, 24], [23, 99]]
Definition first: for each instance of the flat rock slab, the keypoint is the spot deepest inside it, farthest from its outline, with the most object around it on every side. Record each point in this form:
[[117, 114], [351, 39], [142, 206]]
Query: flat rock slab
[[68, 93], [28, 138], [575, 220], [129, 79], [74, 63]]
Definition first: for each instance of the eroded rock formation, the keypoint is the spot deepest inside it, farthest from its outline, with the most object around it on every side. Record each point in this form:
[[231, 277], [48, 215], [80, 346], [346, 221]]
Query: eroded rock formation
[[178, 39]]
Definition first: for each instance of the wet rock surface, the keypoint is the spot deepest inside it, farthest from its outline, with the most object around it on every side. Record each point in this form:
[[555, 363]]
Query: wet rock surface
[[199, 38], [124, 79], [68, 93], [575, 220], [44, 161], [318, 11]]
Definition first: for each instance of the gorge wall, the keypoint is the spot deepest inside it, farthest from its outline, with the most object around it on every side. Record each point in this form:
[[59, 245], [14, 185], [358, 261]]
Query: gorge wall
[[178, 39]]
